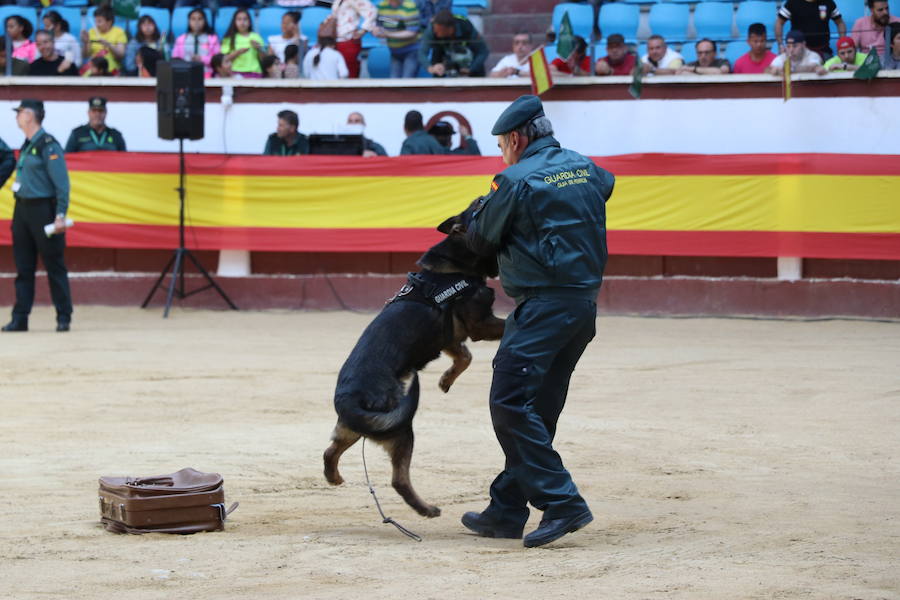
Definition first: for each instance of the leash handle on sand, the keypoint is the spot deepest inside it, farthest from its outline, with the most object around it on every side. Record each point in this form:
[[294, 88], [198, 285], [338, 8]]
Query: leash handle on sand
[[384, 519]]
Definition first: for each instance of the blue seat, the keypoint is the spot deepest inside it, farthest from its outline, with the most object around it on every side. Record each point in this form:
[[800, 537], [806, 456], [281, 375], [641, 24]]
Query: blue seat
[[268, 21], [180, 19], [76, 3], [71, 15], [379, 62], [223, 18], [735, 50], [851, 10], [670, 21], [640, 1], [471, 3], [459, 10], [713, 20], [641, 50], [162, 17], [26, 12], [756, 11], [619, 18], [310, 21], [370, 41], [581, 16]]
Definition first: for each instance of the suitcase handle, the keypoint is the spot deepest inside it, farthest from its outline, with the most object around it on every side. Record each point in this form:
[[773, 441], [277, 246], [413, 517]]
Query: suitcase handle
[[151, 481]]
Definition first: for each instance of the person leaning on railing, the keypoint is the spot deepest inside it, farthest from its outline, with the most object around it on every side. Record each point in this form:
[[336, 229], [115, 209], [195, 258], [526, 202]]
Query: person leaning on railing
[[891, 59]]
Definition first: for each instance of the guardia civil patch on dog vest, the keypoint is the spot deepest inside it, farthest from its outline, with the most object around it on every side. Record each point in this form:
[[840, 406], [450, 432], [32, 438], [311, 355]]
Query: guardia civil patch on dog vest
[[436, 289]]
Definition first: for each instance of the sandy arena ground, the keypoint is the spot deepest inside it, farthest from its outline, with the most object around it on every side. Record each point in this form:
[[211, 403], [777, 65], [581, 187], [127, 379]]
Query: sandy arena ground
[[722, 459]]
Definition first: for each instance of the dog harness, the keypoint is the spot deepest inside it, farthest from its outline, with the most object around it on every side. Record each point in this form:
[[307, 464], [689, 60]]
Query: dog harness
[[436, 289]]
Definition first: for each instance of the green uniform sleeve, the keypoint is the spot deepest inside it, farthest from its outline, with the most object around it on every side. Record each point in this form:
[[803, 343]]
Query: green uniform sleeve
[[59, 175], [492, 219], [7, 162], [269, 150], [405, 148], [72, 144], [120, 142], [303, 144]]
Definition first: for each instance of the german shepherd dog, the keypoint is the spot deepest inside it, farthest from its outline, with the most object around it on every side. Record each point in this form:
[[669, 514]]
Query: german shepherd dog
[[377, 393]]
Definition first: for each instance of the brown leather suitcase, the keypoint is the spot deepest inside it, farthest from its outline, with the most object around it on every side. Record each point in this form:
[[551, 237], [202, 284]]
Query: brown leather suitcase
[[184, 502]]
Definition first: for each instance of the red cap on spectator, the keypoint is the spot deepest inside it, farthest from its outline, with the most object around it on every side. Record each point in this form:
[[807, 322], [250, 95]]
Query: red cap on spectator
[[845, 42]]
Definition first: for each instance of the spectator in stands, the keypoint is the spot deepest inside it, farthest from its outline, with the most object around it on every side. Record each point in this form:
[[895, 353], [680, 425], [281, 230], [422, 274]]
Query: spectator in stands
[[516, 64], [50, 63], [98, 66], [287, 141], [290, 35], [66, 43], [95, 135], [660, 59], [349, 31], [19, 67], [803, 60], [429, 8], [370, 147], [618, 60], [221, 66], [19, 30], [243, 46], [847, 59], [147, 35], [759, 56], [706, 63], [455, 47], [443, 132], [417, 141], [146, 60], [324, 62], [577, 64], [104, 40], [291, 62], [869, 31], [199, 43], [272, 67], [811, 17], [398, 22], [890, 60]]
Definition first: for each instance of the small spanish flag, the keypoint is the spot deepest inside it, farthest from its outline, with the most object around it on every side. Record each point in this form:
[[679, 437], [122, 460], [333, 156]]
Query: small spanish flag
[[541, 81], [494, 186]]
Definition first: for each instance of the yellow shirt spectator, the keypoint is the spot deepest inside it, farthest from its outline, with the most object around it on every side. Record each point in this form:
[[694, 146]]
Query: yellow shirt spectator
[[115, 35]]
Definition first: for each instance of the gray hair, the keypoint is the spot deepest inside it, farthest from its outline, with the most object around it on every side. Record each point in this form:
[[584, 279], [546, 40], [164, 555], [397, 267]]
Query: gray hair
[[536, 128]]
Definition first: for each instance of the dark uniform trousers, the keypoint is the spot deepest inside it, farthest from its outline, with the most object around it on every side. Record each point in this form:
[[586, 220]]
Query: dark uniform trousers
[[543, 341], [29, 218]]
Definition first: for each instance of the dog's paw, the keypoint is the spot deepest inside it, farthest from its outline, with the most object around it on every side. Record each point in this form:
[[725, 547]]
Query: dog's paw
[[333, 478], [446, 382], [431, 512]]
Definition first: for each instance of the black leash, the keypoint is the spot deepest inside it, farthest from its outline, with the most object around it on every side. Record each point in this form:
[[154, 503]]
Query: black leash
[[384, 519]]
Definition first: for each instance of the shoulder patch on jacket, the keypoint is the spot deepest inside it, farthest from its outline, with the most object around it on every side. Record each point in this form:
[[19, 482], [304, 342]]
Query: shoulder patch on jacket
[[494, 185]]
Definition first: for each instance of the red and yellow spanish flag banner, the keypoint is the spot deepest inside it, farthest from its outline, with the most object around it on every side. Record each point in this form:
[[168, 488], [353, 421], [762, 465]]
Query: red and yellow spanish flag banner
[[541, 80], [808, 205]]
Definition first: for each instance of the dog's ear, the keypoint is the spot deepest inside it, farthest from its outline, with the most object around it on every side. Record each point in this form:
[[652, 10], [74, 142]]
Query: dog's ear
[[447, 226]]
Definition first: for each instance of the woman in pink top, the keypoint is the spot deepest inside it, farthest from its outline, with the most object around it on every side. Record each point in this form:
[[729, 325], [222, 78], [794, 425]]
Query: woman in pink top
[[199, 44], [18, 30], [349, 31]]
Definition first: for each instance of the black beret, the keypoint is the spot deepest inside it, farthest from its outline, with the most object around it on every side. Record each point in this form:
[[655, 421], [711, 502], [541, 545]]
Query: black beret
[[35, 105], [524, 109]]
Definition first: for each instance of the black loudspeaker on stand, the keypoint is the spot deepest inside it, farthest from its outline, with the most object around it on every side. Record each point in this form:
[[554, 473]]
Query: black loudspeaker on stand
[[180, 99]]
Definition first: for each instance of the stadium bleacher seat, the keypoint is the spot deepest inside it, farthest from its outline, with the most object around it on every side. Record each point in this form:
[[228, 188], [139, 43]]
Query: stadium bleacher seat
[[71, 14], [851, 10], [735, 50], [162, 16], [670, 21], [180, 19], [223, 18], [713, 20], [75, 3], [268, 21], [756, 11], [550, 53], [471, 3], [619, 18], [460, 11], [581, 16], [640, 1], [310, 21], [26, 12], [379, 62], [688, 51], [641, 50]]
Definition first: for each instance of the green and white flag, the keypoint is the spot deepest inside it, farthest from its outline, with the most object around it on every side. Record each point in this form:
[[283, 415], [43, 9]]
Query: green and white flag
[[126, 8], [636, 80], [565, 42], [870, 66]]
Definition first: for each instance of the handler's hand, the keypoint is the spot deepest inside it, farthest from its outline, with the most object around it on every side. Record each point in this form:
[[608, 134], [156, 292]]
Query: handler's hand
[[59, 224]]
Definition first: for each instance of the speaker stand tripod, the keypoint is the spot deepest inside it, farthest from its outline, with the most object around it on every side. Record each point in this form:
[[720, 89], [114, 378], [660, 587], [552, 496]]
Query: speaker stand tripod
[[176, 263]]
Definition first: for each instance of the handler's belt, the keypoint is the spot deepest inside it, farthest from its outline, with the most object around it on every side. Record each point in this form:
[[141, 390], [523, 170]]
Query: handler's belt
[[436, 289], [23, 199]]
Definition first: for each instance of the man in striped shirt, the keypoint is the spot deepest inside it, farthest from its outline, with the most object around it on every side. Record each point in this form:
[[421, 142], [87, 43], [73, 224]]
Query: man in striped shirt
[[398, 22]]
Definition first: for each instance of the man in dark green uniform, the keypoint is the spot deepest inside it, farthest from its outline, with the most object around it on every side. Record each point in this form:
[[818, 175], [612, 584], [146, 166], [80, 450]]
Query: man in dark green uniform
[[545, 217], [42, 197], [95, 135], [443, 132], [286, 141], [417, 140]]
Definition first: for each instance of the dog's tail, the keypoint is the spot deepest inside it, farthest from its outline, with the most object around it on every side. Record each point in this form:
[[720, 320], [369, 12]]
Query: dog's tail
[[371, 422]]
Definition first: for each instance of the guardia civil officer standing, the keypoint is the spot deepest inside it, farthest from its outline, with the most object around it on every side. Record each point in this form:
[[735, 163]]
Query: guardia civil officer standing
[[42, 197], [545, 217]]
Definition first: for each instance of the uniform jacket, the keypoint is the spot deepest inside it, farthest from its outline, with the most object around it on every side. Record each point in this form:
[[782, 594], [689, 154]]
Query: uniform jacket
[[374, 147], [7, 162], [546, 218], [275, 146], [421, 143], [41, 171], [81, 140]]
